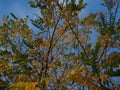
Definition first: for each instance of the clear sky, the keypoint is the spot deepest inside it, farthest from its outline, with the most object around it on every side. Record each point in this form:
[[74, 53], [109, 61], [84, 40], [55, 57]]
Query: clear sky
[[21, 7]]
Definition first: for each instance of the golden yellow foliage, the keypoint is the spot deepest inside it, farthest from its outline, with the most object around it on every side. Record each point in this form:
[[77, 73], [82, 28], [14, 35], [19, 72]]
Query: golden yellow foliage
[[103, 77], [24, 86], [44, 81]]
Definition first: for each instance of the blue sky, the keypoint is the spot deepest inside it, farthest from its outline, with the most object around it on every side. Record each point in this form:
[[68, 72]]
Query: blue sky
[[21, 7]]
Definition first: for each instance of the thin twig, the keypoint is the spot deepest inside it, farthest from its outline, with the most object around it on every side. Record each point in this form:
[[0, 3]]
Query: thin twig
[[49, 50], [77, 38]]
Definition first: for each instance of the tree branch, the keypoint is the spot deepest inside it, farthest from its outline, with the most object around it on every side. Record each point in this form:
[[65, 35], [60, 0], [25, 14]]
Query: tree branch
[[50, 47], [77, 38]]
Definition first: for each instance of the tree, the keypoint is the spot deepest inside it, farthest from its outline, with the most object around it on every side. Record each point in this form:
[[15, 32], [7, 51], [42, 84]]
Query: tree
[[61, 55]]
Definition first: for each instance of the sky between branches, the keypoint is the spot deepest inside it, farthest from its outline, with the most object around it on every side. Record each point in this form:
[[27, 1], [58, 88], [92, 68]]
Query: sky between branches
[[21, 7]]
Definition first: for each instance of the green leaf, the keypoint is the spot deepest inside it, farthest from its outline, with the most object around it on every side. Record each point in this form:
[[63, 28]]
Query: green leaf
[[28, 44], [14, 16], [32, 4]]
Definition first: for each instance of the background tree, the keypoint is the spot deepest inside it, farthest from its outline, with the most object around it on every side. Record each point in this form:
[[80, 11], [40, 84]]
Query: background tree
[[61, 55]]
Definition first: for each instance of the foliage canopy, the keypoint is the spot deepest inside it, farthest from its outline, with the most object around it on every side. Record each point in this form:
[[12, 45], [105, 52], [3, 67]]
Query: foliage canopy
[[62, 55]]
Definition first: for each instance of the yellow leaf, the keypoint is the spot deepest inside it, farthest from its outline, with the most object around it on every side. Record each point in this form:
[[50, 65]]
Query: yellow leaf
[[37, 88], [72, 72], [24, 86], [44, 81], [103, 77], [68, 76], [3, 21]]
